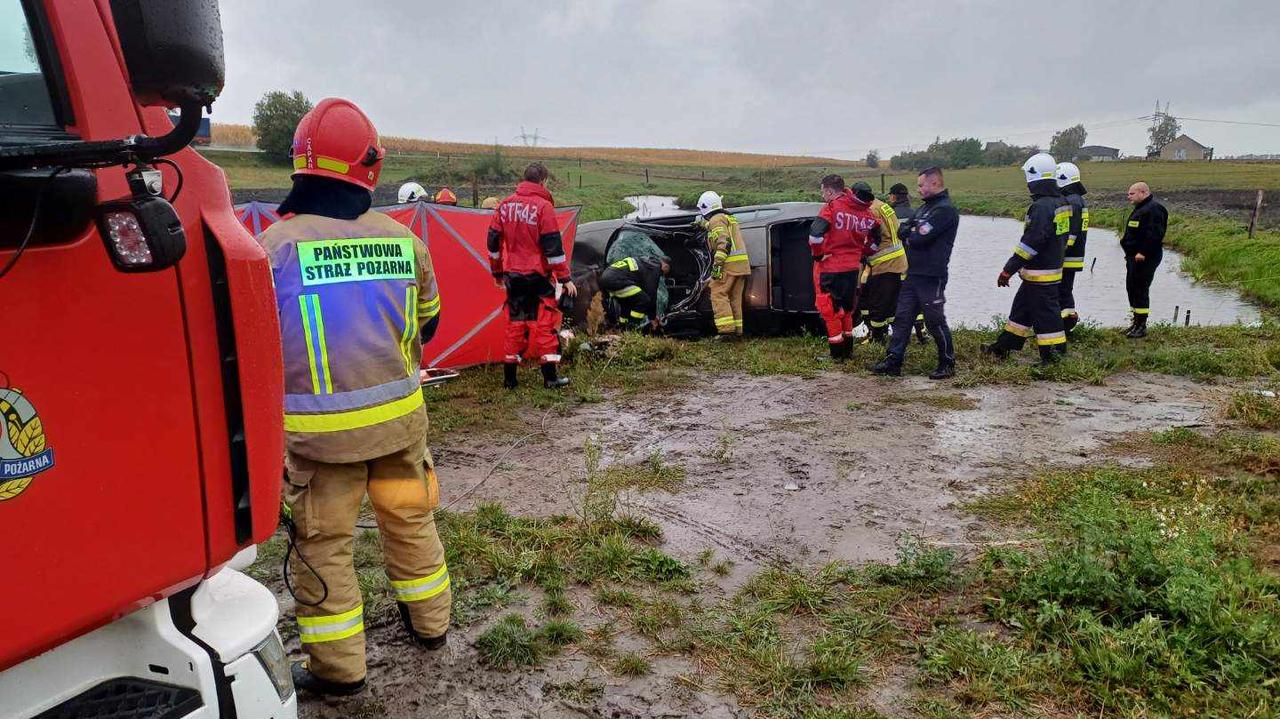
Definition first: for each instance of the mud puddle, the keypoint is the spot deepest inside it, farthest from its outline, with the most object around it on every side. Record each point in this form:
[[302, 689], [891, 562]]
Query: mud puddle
[[779, 469]]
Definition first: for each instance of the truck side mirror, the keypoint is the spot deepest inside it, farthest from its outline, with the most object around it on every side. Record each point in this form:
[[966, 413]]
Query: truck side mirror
[[172, 48]]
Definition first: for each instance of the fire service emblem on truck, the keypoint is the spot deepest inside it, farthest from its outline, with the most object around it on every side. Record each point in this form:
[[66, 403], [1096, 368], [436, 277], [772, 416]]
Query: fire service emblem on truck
[[24, 451]]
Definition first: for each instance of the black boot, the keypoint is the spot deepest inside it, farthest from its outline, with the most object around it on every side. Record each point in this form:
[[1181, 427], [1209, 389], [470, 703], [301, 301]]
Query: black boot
[[303, 679], [549, 378], [1139, 328], [840, 351], [889, 367], [996, 349], [431, 644], [1069, 323], [880, 335], [945, 370], [509, 375], [1049, 355]]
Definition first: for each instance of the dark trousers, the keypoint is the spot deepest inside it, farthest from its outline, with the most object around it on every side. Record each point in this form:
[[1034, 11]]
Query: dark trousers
[[1137, 281], [927, 295], [880, 301], [1067, 299], [1034, 312]]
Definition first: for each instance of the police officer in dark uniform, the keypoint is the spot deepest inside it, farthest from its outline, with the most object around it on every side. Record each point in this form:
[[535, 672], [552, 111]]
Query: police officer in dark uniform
[[1143, 245], [1038, 260], [633, 284], [930, 235], [1068, 178]]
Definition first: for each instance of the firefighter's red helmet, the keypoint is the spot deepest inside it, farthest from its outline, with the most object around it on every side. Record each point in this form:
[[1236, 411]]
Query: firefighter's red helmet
[[337, 140], [446, 197]]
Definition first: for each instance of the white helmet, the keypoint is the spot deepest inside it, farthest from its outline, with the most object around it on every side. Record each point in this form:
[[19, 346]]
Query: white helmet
[[412, 192], [710, 202], [1041, 166], [1068, 174]]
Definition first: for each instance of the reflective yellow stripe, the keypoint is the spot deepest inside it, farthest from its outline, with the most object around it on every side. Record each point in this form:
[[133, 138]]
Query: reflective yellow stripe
[[1084, 220], [430, 308], [324, 346], [316, 630], [1133, 223], [628, 291], [627, 263], [416, 590], [1073, 265], [721, 255], [299, 162], [1068, 313], [1055, 338], [1014, 328], [638, 315], [738, 257], [892, 253], [353, 419], [1041, 275], [304, 308], [410, 327], [725, 321], [328, 163], [1140, 310]]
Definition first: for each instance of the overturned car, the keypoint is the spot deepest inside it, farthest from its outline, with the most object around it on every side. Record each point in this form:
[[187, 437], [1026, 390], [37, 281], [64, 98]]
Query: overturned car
[[780, 294]]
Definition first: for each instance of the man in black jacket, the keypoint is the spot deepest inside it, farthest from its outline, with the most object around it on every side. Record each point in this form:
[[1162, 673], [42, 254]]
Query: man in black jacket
[[1037, 259], [929, 237], [633, 283], [1143, 245]]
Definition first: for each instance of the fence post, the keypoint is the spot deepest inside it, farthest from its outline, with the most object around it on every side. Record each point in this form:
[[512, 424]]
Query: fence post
[[1257, 209], [646, 175], [882, 183], [475, 190]]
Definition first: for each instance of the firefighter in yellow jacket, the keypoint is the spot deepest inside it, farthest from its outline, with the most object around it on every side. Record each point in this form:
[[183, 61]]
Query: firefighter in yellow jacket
[[883, 269], [357, 298], [730, 264]]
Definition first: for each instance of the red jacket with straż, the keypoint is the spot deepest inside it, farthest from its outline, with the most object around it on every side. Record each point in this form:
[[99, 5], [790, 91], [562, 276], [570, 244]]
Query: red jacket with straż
[[845, 229], [524, 237]]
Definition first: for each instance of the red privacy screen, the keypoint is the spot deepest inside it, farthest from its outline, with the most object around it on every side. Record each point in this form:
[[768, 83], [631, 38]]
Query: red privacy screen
[[472, 322]]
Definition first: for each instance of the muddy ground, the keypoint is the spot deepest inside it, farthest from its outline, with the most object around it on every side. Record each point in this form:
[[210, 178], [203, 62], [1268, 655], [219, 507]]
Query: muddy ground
[[779, 469]]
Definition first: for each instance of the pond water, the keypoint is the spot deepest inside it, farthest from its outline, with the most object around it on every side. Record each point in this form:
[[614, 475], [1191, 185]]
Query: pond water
[[984, 243], [650, 206]]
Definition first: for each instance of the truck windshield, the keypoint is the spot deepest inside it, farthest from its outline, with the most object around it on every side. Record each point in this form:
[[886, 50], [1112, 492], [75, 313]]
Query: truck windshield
[[25, 104]]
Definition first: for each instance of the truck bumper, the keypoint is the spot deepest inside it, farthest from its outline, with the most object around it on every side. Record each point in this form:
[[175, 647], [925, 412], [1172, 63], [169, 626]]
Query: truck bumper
[[194, 653]]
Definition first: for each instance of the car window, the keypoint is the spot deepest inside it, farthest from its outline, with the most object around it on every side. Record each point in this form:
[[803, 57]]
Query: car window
[[751, 215], [25, 103]]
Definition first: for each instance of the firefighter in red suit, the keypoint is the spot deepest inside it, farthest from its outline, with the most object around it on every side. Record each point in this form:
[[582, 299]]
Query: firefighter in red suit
[[846, 228], [527, 258]]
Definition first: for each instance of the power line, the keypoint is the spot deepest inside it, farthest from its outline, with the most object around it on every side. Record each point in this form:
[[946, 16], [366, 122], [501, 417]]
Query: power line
[[1226, 122]]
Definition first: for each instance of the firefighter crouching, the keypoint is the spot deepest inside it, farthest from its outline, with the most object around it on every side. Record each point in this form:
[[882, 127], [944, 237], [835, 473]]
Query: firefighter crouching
[[731, 265], [1037, 259], [526, 256], [844, 229], [883, 270], [633, 284], [357, 298]]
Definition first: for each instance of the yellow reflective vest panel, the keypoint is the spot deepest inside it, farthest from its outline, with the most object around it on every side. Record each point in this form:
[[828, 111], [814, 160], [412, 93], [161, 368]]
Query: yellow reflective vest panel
[[892, 256], [351, 296], [725, 240]]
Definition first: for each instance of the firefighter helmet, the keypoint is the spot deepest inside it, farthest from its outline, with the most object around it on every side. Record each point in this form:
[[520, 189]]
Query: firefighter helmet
[[709, 202], [445, 197], [1068, 174], [411, 192], [489, 203], [337, 140], [1040, 166]]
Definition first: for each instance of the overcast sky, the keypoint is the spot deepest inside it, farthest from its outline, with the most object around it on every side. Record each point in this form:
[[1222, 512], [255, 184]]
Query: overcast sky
[[831, 78]]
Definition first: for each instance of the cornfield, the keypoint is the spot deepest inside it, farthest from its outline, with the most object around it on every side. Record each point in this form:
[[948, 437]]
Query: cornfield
[[242, 136]]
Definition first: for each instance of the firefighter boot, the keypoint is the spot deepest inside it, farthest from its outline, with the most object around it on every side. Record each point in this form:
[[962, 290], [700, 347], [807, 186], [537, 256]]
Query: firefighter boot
[[879, 335], [1050, 355], [549, 378], [889, 367], [945, 370], [1139, 328], [303, 679], [837, 349], [509, 375], [431, 644], [1001, 348]]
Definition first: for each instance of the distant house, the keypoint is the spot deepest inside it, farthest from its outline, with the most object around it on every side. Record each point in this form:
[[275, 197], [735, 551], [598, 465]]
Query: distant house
[[1184, 148], [1099, 153]]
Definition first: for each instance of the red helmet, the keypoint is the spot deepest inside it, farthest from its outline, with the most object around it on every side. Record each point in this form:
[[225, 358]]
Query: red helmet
[[336, 140], [445, 197]]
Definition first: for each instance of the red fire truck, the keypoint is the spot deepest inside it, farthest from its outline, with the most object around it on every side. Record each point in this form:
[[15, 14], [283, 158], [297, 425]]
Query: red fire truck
[[140, 378]]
